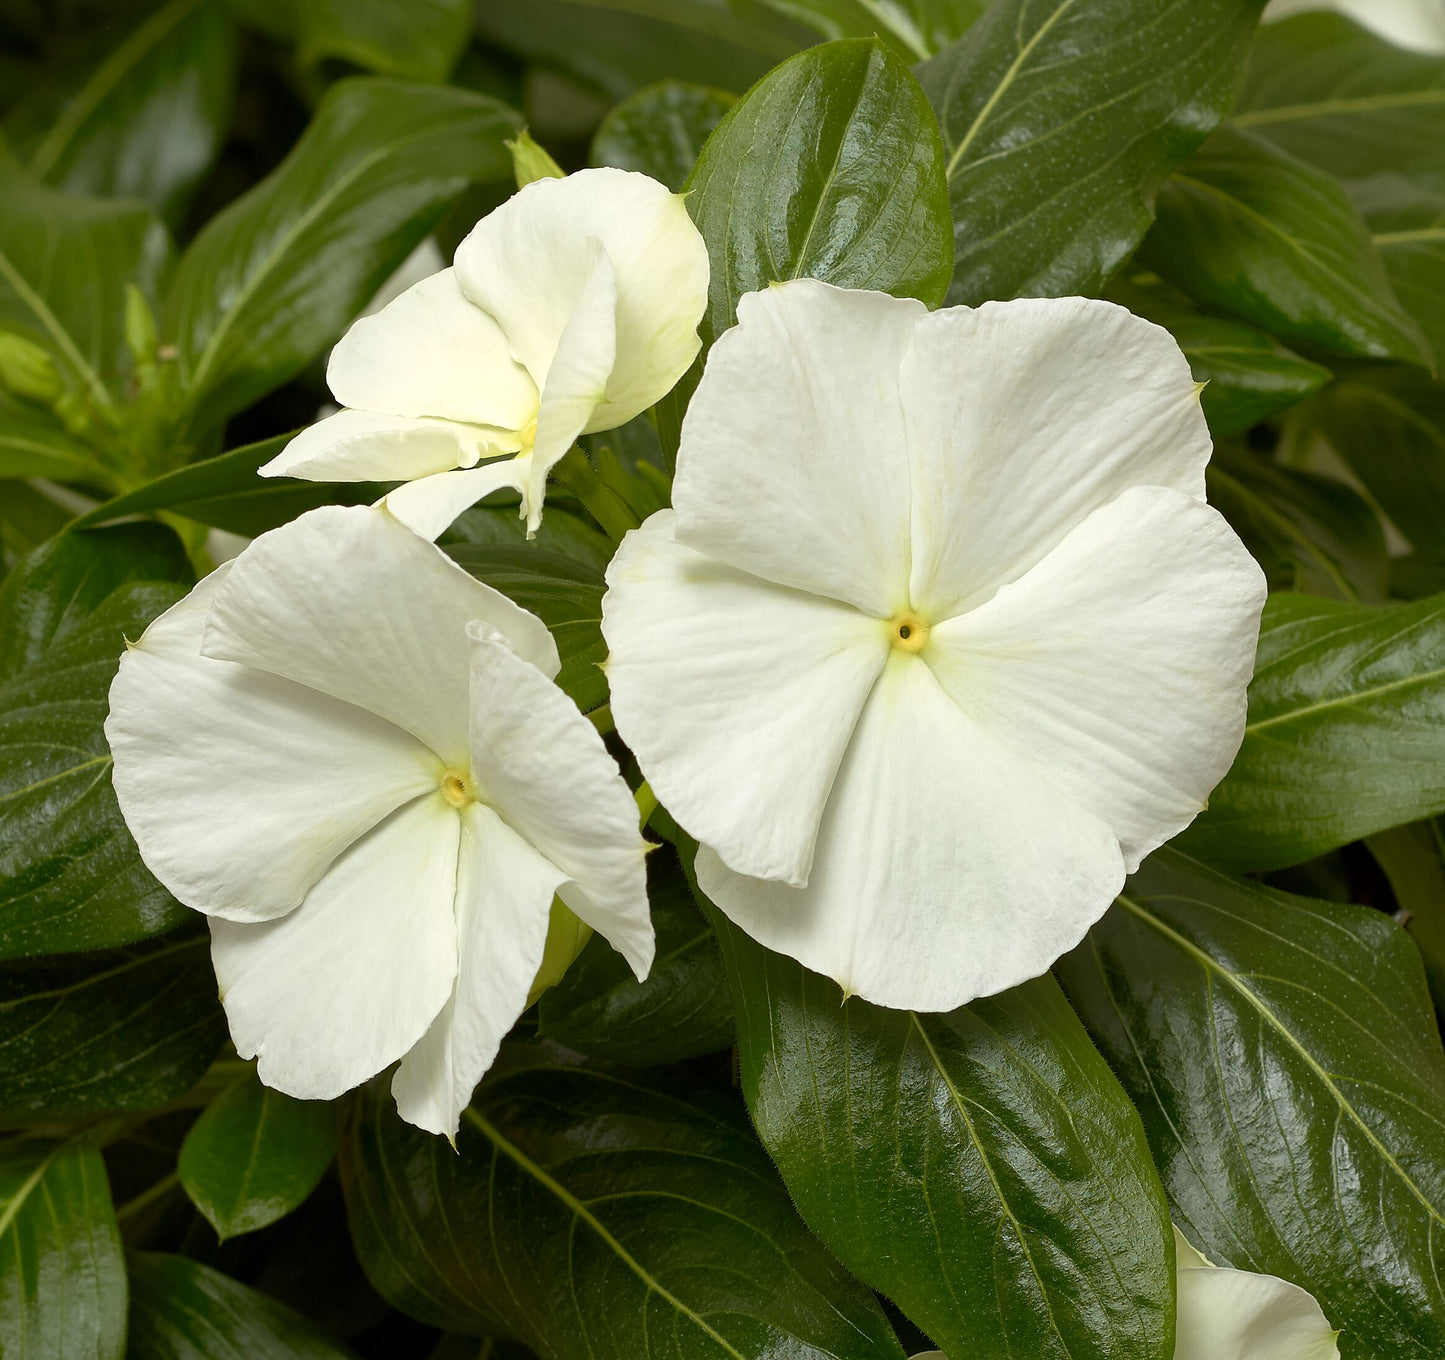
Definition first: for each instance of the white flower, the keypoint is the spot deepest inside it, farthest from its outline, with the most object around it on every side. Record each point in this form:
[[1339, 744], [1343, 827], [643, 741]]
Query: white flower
[[570, 309], [1419, 24], [940, 638], [351, 756]]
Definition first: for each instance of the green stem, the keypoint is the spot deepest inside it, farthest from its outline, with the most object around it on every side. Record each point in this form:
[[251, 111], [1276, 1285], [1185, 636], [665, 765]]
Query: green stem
[[601, 718], [577, 475], [646, 803], [162, 1187]]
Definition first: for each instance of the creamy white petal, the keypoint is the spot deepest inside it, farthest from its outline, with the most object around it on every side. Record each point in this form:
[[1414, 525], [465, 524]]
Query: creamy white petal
[[1186, 1255], [1024, 417], [241, 788], [1118, 664], [946, 868], [504, 899], [793, 463], [326, 997], [428, 505], [352, 603], [528, 262], [542, 765], [361, 446], [577, 378], [736, 695], [432, 352]]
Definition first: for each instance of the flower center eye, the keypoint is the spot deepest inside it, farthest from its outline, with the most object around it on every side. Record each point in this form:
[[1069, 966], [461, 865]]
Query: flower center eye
[[457, 789], [908, 633]]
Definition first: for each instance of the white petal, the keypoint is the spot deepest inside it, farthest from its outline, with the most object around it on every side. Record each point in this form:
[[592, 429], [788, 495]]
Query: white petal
[[360, 446], [1118, 665], [528, 262], [1025, 416], [352, 603], [241, 788], [1186, 1255], [326, 997], [793, 464], [947, 868], [432, 352], [1236, 1315], [577, 380], [504, 898], [428, 505], [737, 696], [541, 764]]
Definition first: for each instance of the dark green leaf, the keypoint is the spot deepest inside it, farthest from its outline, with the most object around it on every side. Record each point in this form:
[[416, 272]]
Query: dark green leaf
[[226, 492], [913, 28], [70, 876], [1062, 119], [660, 130], [33, 443], [1407, 223], [1338, 96], [420, 40], [1413, 858], [1309, 533], [146, 120], [122, 1030], [62, 1273], [182, 1310], [599, 1217], [1290, 1075], [278, 275], [1346, 733], [983, 1169], [681, 1011], [1247, 230], [254, 1155]]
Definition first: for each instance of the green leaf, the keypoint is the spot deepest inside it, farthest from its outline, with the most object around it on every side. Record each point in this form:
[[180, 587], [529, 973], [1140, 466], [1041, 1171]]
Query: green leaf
[[279, 273], [913, 28], [1290, 1075], [1413, 858], [182, 1310], [254, 1155], [1389, 427], [1345, 737], [35, 444], [1249, 375], [1332, 93], [1250, 231], [227, 493], [681, 1011], [122, 1030], [146, 120], [70, 876], [64, 265], [420, 40], [599, 1217], [982, 1168], [1062, 119], [1309, 533], [660, 130], [1407, 223], [62, 1272]]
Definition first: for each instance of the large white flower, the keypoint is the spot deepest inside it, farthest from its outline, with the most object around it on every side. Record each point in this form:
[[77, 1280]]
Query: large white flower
[[570, 309], [940, 638], [351, 756]]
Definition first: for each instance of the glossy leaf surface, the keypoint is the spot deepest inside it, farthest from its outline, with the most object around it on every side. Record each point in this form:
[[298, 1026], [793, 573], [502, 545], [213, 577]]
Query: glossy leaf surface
[[660, 130], [913, 28], [420, 40]]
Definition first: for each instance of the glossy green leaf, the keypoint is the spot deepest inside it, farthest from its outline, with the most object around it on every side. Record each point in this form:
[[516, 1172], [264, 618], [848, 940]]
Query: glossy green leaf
[[182, 1310], [420, 40], [1407, 225], [70, 876], [982, 1168], [1062, 119], [1346, 100], [279, 273], [680, 1011], [62, 1272], [1309, 533], [1389, 426], [1247, 230], [1346, 733], [121, 1030], [599, 1217], [913, 28], [1290, 1075], [143, 121], [660, 130], [254, 1155]]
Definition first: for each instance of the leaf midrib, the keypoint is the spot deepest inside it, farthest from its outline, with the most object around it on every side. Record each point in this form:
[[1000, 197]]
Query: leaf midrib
[[1322, 108], [51, 324]]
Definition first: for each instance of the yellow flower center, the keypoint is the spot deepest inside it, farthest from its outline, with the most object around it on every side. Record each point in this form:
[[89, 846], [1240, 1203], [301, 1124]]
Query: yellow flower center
[[908, 632], [457, 789]]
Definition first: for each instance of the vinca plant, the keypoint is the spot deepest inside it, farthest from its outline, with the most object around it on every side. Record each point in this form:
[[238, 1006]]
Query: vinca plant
[[722, 680]]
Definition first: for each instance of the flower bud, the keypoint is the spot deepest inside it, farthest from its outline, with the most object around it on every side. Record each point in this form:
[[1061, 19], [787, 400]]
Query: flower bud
[[530, 162], [28, 370]]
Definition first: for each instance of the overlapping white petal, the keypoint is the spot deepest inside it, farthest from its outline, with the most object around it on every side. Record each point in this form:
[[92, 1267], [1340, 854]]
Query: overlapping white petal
[[1007, 503], [328, 748], [572, 308]]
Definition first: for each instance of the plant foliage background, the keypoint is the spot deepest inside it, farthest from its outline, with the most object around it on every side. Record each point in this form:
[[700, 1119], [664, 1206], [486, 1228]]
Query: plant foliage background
[[195, 200]]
